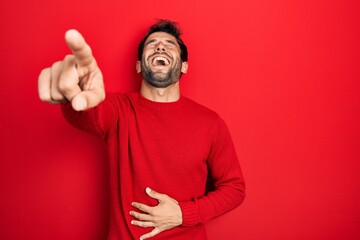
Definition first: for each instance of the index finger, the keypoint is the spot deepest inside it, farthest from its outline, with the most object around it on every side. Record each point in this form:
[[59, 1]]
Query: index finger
[[81, 50]]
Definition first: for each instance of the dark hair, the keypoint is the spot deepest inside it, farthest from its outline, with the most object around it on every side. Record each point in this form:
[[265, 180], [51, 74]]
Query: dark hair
[[169, 27]]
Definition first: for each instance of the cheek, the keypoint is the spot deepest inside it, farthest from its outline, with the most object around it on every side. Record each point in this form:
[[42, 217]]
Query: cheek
[[175, 54], [148, 50], [144, 58]]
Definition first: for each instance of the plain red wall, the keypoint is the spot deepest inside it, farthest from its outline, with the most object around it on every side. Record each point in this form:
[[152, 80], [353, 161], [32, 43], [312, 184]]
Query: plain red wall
[[285, 75]]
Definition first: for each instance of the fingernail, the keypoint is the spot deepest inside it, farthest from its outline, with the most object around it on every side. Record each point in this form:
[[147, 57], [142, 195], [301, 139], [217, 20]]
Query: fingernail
[[148, 190], [80, 104]]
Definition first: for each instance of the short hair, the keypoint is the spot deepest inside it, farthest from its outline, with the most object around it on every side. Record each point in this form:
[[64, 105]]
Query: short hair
[[169, 27]]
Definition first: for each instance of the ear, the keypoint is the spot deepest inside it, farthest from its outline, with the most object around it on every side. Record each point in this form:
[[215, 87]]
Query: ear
[[184, 67], [138, 66]]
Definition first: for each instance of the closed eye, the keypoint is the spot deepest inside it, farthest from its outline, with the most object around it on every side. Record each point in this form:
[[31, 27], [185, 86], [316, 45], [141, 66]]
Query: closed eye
[[171, 42], [150, 41]]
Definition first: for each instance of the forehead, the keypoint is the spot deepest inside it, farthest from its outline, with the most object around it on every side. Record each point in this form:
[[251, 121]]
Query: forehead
[[161, 36]]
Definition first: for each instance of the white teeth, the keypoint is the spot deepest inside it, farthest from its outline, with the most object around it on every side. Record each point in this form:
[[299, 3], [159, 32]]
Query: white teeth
[[160, 61]]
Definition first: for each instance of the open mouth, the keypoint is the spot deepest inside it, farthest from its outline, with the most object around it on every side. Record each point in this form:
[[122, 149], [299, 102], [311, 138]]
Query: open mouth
[[160, 61]]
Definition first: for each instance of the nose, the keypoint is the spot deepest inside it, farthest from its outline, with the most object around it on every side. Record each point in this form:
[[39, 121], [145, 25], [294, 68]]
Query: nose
[[160, 47]]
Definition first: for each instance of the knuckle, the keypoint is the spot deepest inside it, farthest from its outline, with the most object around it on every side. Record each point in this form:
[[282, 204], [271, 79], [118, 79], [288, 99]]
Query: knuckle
[[83, 71], [142, 217], [145, 224], [137, 215], [156, 219], [56, 65], [65, 85], [150, 211], [68, 57], [138, 206], [57, 97], [144, 209], [142, 224]]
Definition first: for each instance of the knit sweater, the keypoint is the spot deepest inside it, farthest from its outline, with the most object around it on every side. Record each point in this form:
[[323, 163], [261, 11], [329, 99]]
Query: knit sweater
[[181, 149]]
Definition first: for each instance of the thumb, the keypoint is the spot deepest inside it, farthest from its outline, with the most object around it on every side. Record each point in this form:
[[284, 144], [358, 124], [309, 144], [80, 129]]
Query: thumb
[[87, 99]]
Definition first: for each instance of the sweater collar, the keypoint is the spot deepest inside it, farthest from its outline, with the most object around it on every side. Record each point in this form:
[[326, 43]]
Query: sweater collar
[[159, 105]]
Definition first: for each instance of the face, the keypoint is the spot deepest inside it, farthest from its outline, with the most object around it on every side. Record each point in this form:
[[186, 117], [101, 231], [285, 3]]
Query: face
[[161, 65]]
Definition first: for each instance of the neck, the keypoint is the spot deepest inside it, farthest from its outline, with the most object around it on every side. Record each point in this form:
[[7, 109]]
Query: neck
[[168, 94]]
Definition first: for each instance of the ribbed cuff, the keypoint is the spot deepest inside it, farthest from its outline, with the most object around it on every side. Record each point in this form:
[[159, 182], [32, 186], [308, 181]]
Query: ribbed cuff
[[190, 213]]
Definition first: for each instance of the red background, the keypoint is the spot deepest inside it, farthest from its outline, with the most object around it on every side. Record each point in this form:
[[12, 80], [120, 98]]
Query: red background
[[283, 74]]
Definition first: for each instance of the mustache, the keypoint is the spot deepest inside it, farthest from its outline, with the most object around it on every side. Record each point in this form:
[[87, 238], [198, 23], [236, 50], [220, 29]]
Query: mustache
[[160, 53]]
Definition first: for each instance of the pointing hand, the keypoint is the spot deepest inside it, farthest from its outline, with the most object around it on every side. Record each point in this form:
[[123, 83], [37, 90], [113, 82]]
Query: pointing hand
[[76, 79]]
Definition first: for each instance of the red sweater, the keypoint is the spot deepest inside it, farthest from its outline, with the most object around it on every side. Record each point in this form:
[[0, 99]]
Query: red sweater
[[173, 148]]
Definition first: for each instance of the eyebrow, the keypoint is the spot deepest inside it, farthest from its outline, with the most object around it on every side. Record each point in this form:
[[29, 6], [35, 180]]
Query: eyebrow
[[154, 40]]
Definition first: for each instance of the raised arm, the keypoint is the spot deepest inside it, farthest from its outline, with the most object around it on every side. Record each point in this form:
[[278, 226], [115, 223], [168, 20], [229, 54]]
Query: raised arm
[[76, 79]]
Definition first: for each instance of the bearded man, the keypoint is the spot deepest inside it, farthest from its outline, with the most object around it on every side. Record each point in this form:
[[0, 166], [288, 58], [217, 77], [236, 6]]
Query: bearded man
[[164, 149]]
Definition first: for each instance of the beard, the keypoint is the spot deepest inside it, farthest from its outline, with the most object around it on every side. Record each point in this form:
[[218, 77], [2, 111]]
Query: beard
[[160, 79]]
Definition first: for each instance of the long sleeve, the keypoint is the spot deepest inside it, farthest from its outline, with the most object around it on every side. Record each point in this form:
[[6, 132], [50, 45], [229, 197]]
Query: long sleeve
[[228, 188], [98, 120]]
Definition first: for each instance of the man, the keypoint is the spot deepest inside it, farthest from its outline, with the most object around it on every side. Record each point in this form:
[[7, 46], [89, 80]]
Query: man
[[157, 139]]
